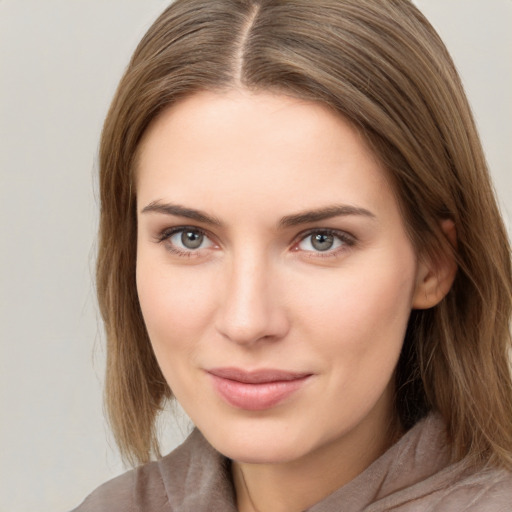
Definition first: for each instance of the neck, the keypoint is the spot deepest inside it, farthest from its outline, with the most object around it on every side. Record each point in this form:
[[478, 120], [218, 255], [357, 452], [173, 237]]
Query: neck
[[294, 486]]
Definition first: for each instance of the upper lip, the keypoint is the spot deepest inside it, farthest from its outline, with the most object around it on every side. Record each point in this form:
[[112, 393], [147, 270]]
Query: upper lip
[[257, 376]]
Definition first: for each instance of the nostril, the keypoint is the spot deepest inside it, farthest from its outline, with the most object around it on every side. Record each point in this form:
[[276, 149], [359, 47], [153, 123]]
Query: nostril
[[244, 334], [248, 325]]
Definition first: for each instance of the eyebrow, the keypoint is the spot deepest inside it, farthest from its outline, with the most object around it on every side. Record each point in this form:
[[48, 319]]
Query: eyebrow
[[180, 211], [305, 217], [323, 214]]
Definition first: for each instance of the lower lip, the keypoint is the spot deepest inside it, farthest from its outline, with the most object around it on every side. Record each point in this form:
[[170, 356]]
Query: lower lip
[[256, 397]]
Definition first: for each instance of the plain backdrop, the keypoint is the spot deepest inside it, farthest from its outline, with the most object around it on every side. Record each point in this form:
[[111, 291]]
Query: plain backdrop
[[60, 61]]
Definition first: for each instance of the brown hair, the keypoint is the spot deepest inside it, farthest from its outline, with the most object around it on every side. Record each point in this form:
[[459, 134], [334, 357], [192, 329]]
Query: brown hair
[[382, 66]]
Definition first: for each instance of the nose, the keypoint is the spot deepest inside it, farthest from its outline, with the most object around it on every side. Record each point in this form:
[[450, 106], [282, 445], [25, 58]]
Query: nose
[[251, 310]]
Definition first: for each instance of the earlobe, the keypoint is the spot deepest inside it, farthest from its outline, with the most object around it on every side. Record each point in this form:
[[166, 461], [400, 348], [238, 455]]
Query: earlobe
[[435, 278]]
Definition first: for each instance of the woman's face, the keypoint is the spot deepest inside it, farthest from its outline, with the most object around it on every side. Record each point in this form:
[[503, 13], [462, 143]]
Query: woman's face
[[274, 273]]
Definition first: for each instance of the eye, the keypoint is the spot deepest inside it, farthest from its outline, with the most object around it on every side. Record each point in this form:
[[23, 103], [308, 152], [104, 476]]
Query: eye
[[185, 240], [188, 239], [324, 241]]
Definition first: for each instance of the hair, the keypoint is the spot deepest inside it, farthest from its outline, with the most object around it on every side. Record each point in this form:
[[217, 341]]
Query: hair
[[381, 66]]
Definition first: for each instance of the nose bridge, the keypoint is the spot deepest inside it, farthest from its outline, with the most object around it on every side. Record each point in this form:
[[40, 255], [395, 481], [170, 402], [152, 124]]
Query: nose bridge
[[250, 309]]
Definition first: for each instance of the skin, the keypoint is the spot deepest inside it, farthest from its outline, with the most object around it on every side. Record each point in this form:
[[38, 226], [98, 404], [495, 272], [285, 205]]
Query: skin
[[256, 293]]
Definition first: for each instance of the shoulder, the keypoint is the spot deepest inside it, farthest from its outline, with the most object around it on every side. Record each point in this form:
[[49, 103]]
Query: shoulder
[[117, 491], [152, 486], [419, 476], [486, 490], [139, 489]]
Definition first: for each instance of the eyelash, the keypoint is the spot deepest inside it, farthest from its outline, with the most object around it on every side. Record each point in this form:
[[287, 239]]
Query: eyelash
[[165, 236], [347, 241]]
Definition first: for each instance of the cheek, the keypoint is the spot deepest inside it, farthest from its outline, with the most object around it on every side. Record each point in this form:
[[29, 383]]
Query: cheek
[[359, 316], [176, 304]]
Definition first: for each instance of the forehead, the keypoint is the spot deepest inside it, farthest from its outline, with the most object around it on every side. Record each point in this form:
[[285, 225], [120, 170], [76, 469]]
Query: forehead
[[272, 150]]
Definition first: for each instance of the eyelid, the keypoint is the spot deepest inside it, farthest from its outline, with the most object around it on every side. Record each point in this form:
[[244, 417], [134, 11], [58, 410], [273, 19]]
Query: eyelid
[[348, 240], [165, 235]]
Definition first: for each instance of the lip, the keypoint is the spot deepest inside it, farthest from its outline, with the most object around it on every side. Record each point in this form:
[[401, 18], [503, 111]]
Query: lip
[[256, 390]]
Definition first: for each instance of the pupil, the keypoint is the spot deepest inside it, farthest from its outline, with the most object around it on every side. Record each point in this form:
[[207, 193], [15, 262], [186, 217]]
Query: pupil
[[191, 239], [322, 242]]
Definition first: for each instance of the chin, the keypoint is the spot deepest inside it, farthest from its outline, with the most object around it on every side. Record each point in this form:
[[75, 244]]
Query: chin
[[258, 445], [259, 454]]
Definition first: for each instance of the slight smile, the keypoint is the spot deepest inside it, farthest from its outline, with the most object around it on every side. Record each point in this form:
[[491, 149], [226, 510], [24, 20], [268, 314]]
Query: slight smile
[[256, 390]]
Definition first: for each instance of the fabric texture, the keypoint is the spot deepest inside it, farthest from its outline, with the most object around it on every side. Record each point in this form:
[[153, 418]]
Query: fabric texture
[[414, 475]]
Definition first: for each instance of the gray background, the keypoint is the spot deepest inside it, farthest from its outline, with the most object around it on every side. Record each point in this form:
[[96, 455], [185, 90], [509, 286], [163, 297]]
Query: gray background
[[60, 61]]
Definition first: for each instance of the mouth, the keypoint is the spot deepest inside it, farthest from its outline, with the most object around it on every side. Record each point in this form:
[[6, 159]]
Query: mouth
[[256, 390]]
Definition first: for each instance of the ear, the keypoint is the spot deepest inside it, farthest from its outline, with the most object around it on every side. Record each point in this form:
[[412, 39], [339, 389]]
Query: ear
[[435, 278]]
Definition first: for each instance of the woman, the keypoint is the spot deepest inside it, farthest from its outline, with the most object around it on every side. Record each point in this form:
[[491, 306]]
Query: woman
[[299, 241]]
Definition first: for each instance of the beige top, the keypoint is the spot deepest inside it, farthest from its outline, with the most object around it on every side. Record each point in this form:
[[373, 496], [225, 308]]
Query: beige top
[[414, 475]]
